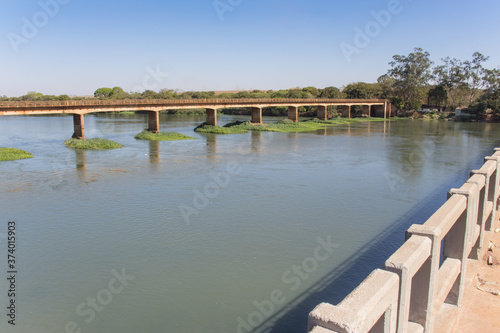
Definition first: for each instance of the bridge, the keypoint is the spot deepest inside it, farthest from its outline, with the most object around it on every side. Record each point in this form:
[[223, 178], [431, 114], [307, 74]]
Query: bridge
[[424, 283], [78, 108]]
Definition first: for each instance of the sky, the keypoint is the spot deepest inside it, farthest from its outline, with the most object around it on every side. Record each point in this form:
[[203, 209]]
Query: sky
[[76, 46]]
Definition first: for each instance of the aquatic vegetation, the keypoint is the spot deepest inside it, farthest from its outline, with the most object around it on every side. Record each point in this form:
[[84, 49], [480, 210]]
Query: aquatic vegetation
[[285, 125], [162, 136], [92, 144], [11, 154]]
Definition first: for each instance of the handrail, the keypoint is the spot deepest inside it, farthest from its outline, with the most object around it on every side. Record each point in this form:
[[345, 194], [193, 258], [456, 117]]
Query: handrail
[[431, 264], [173, 102]]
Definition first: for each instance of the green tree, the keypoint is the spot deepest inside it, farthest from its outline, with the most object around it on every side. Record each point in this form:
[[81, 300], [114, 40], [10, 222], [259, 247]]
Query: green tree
[[475, 75], [103, 92], [331, 92], [438, 96], [412, 74]]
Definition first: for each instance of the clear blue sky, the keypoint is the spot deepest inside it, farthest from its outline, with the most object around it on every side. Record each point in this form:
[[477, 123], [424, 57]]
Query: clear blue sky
[[260, 44]]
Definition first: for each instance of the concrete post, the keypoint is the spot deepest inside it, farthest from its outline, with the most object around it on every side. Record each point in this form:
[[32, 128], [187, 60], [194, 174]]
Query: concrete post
[[322, 112], [211, 117], [422, 311], [79, 128], [293, 113], [154, 121], [256, 116], [457, 243], [346, 111], [367, 111], [412, 263]]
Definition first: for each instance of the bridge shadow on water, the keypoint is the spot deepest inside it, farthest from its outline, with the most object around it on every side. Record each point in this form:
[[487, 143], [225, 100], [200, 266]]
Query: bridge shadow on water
[[341, 281]]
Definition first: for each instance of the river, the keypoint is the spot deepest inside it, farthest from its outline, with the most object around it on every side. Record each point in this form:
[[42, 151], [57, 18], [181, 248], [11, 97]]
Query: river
[[225, 233]]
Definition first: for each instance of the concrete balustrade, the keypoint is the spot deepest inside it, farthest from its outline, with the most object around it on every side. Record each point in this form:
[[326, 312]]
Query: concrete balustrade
[[430, 266]]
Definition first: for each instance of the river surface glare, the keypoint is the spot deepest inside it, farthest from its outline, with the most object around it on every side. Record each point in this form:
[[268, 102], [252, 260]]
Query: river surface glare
[[225, 233]]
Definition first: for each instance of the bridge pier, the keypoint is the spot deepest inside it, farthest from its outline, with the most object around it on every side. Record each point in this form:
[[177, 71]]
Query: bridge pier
[[79, 128], [322, 112], [346, 111], [211, 117], [380, 111], [154, 121], [293, 113], [256, 115], [367, 111]]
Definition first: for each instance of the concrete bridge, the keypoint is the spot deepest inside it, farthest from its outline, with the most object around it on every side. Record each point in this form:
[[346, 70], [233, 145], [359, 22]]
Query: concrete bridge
[[422, 285], [78, 108]]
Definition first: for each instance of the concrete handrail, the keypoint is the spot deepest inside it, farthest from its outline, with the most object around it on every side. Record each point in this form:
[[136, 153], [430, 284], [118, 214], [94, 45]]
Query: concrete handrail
[[430, 265]]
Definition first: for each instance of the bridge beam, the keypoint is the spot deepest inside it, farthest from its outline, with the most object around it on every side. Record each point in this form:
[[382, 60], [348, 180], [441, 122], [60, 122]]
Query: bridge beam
[[154, 121], [257, 115], [367, 111], [322, 112], [346, 111], [211, 117], [293, 113], [79, 128]]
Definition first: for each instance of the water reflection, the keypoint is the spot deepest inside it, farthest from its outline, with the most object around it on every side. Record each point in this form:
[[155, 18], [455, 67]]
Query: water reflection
[[154, 152], [256, 141], [211, 146]]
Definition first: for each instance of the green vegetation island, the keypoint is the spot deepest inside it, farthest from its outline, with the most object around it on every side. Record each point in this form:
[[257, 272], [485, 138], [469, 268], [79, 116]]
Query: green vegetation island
[[452, 89], [92, 144], [162, 136], [284, 126], [12, 154]]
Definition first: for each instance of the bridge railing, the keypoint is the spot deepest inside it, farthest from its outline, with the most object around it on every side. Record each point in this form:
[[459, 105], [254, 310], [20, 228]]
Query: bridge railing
[[173, 102], [429, 267]]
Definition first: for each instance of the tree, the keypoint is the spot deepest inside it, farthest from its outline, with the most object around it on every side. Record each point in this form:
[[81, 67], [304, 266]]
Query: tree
[[312, 90], [331, 92], [475, 75], [449, 76], [386, 86], [360, 90], [437, 96], [103, 92], [411, 73]]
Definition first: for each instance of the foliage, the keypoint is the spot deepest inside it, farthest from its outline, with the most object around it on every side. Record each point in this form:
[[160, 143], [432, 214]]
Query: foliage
[[411, 73], [161, 136], [11, 154], [285, 126], [92, 144]]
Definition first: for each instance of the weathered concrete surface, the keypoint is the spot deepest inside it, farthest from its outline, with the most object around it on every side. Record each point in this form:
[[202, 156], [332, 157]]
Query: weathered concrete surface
[[79, 128], [256, 116], [480, 310], [322, 112], [293, 113], [212, 117], [154, 121]]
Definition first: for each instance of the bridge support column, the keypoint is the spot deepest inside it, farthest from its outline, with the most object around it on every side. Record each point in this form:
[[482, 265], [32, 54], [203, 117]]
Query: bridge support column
[[79, 128], [322, 112], [257, 115], [293, 113], [346, 111], [211, 117], [367, 111], [154, 121], [380, 111]]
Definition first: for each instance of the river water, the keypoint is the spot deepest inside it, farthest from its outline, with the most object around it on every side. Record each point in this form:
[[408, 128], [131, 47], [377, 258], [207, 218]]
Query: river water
[[227, 233]]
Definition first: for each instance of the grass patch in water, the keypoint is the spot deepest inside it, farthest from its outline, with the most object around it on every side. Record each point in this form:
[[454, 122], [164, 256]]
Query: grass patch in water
[[284, 126], [162, 136], [92, 144], [11, 154]]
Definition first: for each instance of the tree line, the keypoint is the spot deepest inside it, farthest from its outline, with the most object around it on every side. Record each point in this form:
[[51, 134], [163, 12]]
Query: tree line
[[411, 81]]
